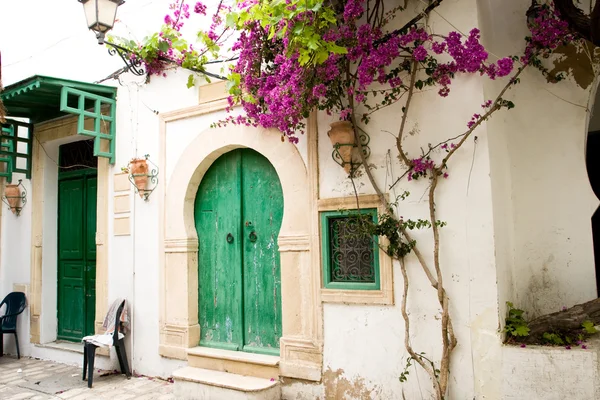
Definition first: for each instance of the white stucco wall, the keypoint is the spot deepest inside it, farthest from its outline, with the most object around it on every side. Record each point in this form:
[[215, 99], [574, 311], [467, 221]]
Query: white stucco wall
[[71, 44], [467, 248], [15, 242], [550, 373], [516, 231], [543, 200]]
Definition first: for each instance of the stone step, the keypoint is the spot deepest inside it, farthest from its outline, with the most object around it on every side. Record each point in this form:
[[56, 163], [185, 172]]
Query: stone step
[[235, 362], [199, 384]]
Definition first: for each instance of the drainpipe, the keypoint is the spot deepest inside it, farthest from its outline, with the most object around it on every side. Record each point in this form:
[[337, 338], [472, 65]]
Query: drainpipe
[[133, 213]]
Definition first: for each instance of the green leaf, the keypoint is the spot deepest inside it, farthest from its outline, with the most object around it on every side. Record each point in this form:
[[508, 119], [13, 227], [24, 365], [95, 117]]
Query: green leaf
[[304, 57], [231, 19], [321, 57], [233, 83], [521, 331], [190, 81], [163, 46], [180, 44], [516, 312], [589, 327], [334, 48]]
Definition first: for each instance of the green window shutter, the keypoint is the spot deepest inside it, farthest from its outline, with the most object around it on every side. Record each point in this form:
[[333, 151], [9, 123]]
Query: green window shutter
[[16, 145], [101, 125], [350, 255]]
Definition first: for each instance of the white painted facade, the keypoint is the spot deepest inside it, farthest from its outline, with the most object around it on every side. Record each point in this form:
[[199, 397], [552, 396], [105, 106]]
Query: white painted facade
[[518, 204]]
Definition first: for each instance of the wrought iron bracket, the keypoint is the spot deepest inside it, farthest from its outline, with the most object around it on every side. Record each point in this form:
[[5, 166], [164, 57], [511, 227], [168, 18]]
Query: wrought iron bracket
[[365, 139], [152, 180], [133, 64], [20, 202]]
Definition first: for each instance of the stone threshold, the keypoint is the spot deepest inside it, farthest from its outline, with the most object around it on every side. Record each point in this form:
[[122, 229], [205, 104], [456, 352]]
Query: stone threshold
[[73, 347], [223, 379], [239, 356]]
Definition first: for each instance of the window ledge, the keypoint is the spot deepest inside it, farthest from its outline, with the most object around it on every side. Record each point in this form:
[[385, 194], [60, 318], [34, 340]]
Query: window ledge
[[381, 297]]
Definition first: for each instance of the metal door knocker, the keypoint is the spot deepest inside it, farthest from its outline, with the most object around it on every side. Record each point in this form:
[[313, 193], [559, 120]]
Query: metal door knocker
[[229, 238], [252, 237]]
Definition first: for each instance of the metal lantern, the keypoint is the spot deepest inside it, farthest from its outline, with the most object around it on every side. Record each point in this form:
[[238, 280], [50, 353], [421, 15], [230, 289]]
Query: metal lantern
[[15, 197], [100, 15]]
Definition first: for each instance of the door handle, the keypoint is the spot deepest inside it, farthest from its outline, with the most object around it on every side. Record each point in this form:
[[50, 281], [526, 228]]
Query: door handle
[[229, 238], [252, 236]]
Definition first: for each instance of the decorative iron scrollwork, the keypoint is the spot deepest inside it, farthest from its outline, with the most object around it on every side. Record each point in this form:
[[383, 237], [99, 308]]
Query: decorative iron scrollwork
[[352, 251], [354, 164]]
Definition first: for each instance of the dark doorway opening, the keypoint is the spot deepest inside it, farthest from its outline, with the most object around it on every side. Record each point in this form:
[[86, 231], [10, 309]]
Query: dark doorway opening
[[593, 167]]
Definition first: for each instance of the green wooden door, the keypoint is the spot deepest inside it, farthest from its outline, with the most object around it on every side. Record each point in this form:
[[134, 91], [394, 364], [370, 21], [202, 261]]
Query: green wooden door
[[76, 255], [238, 213]]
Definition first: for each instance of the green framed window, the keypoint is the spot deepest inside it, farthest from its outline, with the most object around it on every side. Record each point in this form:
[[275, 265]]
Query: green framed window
[[350, 255]]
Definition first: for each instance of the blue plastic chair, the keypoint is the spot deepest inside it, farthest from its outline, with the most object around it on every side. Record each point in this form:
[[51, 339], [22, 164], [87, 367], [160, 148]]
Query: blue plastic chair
[[15, 305]]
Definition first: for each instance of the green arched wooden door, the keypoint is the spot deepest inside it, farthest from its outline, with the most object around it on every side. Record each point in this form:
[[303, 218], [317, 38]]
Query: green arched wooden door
[[238, 213]]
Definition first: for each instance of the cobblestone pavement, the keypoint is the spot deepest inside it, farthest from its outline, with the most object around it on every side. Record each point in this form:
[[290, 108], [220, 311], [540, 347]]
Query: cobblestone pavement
[[33, 379]]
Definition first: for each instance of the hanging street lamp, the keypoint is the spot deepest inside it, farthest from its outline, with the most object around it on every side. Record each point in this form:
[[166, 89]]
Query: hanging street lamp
[[100, 16]]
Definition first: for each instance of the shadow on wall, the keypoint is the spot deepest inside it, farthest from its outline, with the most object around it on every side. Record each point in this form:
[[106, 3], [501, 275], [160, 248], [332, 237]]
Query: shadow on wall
[[593, 168]]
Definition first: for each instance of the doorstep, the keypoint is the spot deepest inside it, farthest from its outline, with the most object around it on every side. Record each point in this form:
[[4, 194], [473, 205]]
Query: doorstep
[[236, 362], [74, 347], [205, 384]]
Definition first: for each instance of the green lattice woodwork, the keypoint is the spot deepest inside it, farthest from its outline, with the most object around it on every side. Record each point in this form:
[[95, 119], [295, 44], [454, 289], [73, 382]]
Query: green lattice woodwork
[[37, 98], [238, 214], [42, 98], [16, 144], [102, 116], [350, 257]]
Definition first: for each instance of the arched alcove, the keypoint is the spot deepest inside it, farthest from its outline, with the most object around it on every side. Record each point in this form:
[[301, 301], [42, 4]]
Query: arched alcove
[[300, 350]]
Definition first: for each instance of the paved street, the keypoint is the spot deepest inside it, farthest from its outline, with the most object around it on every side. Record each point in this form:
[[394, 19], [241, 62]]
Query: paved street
[[33, 379]]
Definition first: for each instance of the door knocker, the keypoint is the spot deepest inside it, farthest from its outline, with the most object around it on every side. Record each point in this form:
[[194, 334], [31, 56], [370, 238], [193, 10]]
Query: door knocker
[[252, 237]]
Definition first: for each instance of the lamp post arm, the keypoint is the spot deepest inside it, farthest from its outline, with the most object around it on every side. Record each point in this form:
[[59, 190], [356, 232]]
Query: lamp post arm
[[133, 63]]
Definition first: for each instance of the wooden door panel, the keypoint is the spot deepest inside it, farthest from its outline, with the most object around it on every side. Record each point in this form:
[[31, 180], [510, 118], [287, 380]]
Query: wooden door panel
[[70, 214], [91, 199], [90, 222], [217, 216], [72, 270], [77, 200], [262, 210], [238, 264], [70, 304]]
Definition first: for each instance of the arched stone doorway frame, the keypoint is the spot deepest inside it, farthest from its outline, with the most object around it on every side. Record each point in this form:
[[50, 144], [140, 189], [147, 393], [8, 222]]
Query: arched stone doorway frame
[[301, 342]]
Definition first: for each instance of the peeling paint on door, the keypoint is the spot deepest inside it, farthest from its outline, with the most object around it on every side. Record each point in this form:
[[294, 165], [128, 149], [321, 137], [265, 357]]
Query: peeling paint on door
[[239, 209]]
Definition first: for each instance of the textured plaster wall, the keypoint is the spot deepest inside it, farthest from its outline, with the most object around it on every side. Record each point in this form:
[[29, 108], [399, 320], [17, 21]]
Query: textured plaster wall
[[364, 351], [550, 373], [68, 50], [542, 198], [15, 242], [523, 235]]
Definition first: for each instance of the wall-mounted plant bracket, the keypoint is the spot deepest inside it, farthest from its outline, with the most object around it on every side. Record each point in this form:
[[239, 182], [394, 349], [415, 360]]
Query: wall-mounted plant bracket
[[355, 162], [15, 197], [144, 183]]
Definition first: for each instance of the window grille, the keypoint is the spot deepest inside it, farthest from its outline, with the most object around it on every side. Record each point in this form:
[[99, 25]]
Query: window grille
[[350, 252]]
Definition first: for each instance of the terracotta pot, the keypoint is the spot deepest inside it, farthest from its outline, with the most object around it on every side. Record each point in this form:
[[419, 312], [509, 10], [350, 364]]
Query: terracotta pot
[[13, 196], [139, 170], [341, 132]]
